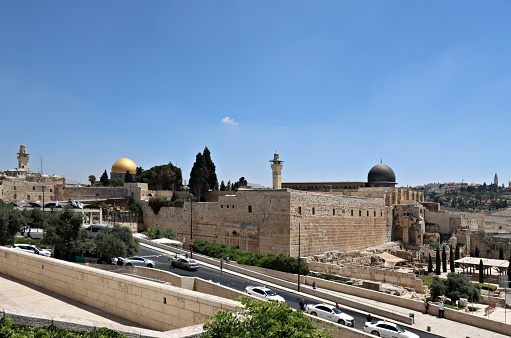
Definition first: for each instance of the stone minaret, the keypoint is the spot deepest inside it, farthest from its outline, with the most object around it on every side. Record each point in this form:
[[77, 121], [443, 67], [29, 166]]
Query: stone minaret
[[276, 168], [496, 180], [23, 158]]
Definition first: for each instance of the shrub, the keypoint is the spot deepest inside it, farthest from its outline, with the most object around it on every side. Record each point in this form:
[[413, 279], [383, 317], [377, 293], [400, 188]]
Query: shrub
[[272, 261]]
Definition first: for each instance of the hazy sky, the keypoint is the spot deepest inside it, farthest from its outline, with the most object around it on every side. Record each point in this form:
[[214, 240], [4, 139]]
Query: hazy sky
[[332, 85]]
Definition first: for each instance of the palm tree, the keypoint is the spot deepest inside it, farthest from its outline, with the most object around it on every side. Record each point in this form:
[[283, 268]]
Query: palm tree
[[92, 180]]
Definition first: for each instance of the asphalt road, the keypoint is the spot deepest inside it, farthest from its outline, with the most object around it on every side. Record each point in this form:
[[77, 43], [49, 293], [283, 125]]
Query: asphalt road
[[239, 283]]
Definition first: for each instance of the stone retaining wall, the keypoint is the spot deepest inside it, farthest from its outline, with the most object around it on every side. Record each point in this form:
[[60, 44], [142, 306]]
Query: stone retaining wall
[[154, 305]]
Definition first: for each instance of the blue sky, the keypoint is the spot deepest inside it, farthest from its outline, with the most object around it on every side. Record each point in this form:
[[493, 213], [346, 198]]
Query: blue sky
[[332, 85]]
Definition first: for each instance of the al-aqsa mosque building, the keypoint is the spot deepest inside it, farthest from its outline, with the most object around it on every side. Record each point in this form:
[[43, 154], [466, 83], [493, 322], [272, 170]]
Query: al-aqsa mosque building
[[121, 166]]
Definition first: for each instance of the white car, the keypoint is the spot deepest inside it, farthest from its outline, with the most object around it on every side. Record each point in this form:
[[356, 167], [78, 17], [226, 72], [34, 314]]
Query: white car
[[385, 329], [263, 293], [138, 261], [330, 312], [32, 249]]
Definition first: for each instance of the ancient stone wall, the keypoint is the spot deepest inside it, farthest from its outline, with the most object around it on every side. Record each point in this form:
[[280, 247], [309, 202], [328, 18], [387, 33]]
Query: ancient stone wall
[[18, 190], [489, 246], [275, 221], [66, 192]]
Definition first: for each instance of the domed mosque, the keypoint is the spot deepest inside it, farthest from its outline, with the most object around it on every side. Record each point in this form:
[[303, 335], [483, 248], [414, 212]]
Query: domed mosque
[[381, 175], [122, 165]]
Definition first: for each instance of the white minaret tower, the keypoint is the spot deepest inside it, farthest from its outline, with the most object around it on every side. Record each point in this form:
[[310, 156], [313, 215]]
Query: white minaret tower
[[23, 158], [276, 168]]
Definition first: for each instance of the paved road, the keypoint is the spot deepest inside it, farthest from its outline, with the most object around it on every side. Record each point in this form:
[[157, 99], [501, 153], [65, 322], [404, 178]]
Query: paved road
[[239, 283]]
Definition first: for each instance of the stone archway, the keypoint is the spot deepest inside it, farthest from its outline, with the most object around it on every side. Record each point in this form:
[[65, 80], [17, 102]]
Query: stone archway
[[412, 235], [398, 233]]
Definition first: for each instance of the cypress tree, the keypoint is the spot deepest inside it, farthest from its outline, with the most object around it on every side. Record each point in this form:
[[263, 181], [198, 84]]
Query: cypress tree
[[212, 179], [476, 253], [501, 253], [481, 271], [444, 260], [430, 264], [451, 259], [104, 179], [199, 177], [437, 267]]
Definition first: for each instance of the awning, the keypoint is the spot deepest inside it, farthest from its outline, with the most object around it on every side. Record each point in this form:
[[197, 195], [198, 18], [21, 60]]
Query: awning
[[390, 260], [167, 241]]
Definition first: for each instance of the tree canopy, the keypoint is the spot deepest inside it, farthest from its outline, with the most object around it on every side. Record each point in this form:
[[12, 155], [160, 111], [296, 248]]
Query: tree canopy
[[11, 222], [262, 319], [161, 177], [62, 229], [456, 286], [212, 179], [199, 176]]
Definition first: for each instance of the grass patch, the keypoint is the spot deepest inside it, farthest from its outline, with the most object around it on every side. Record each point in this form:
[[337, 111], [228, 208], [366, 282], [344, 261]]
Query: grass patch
[[488, 287], [426, 280]]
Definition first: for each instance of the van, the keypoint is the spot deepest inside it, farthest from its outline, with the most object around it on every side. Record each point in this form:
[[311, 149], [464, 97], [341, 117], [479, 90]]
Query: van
[[93, 228]]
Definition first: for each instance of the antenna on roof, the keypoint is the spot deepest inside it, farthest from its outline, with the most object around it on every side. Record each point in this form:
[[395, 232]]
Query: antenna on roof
[[381, 161]]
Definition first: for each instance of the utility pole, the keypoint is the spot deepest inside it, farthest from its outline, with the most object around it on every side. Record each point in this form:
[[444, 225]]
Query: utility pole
[[191, 226]]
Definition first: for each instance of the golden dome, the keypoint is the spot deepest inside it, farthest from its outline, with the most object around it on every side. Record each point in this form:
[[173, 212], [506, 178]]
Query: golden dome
[[124, 164]]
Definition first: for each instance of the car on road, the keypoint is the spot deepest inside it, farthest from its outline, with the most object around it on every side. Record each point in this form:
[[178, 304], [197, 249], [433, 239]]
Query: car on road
[[330, 312], [186, 263], [264, 293], [138, 261], [32, 249], [386, 329]]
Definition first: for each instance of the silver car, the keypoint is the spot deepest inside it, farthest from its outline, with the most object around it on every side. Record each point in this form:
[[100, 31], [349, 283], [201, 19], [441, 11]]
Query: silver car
[[263, 293], [186, 263], [330, 312], [138, 261], [32, 249]]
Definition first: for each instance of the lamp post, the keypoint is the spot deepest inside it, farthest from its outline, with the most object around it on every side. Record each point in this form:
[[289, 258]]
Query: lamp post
[[191, 226], [299, 246]]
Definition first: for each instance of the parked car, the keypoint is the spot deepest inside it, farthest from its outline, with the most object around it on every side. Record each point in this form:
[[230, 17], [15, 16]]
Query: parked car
[[137, 261], [330, 312], [263, 293], [386, 329], [32, 249], [186, 263]]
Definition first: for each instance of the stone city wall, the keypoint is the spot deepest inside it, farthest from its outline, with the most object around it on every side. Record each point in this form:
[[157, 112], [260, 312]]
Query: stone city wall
[[369, 273], [66, 192], [489, 246], [270, 221], [15, 191], [154, 305]]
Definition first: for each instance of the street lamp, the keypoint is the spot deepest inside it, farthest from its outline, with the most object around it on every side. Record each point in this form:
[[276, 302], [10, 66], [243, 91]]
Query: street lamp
[[299, 247], [191, 226]]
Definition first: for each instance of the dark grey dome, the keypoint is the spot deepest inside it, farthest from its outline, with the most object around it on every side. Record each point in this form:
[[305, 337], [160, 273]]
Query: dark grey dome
[[381, 173]]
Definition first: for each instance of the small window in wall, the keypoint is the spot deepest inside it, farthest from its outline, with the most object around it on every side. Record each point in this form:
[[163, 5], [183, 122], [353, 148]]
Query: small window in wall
[[375, 213], [333, 212], [227, 206], [40, 198], [249, 208], [343, 211], [313, 211], [381, 213], [33, 188], [15, 196], [28, 197], [360, 213], [51, 190], [233, 206], [300, 210], [367, 213], [221, 206], [351, 212], [14, 187]]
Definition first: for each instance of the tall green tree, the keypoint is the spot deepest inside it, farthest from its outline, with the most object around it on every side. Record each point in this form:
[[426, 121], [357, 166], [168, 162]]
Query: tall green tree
[[104, 179], [501, 253], [63, 229], [451, 259], [92, 180], [127, 177], [481, 271], [437, 267], [262, 319], [476, 253], [199, 177], [212, 179], [115, 242], [457, 253], [162, 177], [11, 222], [444, 260], [430, 264], [222, 186]]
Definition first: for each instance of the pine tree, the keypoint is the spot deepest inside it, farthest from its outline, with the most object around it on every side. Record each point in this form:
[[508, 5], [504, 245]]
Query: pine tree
[[437, 267], [104, 179], [222, 186], [127, 177], [430, 264], [444, 260]]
